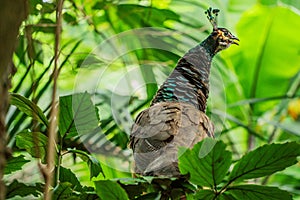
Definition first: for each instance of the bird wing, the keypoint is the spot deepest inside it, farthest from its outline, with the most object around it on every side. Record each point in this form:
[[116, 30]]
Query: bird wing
[[158, 132]]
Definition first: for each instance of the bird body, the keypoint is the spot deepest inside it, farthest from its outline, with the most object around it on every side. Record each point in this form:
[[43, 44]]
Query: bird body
[[157, 134], [177, 116]]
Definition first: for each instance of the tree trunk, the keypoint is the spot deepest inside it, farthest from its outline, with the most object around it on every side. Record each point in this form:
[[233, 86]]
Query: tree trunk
[[12, 13]]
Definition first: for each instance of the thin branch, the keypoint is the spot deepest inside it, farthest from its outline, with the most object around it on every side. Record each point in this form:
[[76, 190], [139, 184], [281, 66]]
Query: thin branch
[[260, 100], [53, 116], [240, 123]]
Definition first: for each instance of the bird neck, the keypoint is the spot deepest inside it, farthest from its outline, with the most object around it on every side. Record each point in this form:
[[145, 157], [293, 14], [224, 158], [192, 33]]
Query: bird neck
[[210, 45], [189, 82]]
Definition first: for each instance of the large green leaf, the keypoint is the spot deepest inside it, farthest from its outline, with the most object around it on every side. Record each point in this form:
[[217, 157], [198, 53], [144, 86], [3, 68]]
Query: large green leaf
[[225, 196], [258, 192], [20, 189], [14, 164], [136, 16], [294, 3], [66, 175], [110, 190], [63, 191], [268, 51], [35, 143], [28, 107], [77, 115], [88, 193], [93, 163], [266, 160], [211, 195], [205, 194], [207, 163], [134, 186]]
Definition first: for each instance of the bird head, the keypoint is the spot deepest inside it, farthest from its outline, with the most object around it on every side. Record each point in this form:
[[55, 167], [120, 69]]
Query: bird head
[[223, 37]]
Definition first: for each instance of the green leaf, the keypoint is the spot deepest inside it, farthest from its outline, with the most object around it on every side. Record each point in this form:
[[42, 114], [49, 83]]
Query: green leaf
[[20, 189], [69, 18], [49, 28], [48, 7], [205, 194], [77, 115], [110, 190], [62, 191], [28, 107], [207, 163], [14, 164], [66, 175], [264, 49], [35, 143], [133, 186], [95, 167], [88, 193], [266, 160], [258, 192], [224, 196], [38, 51], [150, 196], [93, 163], [294, 3], [99, 5]]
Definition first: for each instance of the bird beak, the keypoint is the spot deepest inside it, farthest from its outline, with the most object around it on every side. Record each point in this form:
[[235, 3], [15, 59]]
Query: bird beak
[[234, 40]]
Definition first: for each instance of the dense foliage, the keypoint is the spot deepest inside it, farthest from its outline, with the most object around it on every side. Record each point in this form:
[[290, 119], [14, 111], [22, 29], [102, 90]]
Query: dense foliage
[[112, 58]]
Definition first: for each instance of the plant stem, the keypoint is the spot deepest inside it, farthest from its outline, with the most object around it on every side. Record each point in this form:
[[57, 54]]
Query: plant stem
[[53, 114], [60, 155]]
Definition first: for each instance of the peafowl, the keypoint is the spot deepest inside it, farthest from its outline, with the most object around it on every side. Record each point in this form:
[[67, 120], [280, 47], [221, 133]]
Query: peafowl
[[177, 116]]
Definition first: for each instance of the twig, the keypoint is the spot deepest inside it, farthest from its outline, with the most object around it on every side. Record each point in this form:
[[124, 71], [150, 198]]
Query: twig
[[53, 116]]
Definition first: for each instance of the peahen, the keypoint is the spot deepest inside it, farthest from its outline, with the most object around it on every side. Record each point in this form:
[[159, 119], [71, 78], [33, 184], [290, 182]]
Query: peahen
[[177, 116]]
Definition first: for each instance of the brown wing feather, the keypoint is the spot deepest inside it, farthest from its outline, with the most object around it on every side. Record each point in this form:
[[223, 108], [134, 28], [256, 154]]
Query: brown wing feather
[[159, 131]]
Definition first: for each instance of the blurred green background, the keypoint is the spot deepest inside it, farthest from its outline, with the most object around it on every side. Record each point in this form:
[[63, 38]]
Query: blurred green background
[[120, 51]]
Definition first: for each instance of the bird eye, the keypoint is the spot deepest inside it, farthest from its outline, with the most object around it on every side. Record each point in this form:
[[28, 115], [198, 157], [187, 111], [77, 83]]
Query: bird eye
[[226, 33]]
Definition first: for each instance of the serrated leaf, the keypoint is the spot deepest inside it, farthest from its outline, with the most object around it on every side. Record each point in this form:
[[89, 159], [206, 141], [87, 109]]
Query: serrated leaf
[[62, 191], [258, 192], [35, 143], [265, 160], [93, 163], [110, 190], [28, 107], [88, 193], [14, 164], [77, 115], [66, 175], [20, 189], [134, 186], [207, 163]]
